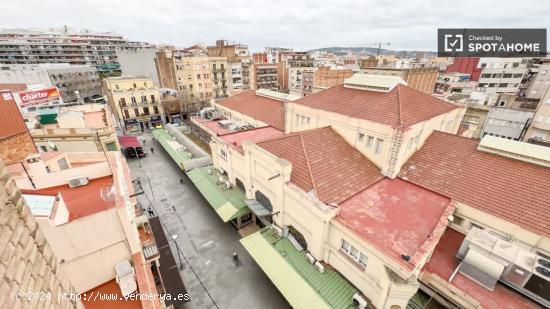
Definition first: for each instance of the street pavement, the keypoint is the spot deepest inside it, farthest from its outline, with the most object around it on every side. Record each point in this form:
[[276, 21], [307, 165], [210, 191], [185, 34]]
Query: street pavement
[[207, 243]]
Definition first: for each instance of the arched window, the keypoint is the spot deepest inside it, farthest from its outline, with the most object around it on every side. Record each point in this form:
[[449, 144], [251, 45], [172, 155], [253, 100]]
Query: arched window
[[239, 184]]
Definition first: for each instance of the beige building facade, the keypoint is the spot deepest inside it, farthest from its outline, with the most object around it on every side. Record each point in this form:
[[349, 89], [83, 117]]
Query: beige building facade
[[135, 101], [539, 131]]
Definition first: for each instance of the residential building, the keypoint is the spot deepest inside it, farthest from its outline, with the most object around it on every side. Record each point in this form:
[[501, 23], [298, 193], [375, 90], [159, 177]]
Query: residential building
[[78, 128], [75, 83], [29, 46], [193, 80], [507, 123], [220, 76], [265, 76], [539, 131], [334, 190], [29, 264], [535, 83], [290, 68], [239, 64], [454, 83], [422, 79], [15, 140], [259, 58], [71, 195], [273, 53], [136, 101], [139, 62], [498, 79]]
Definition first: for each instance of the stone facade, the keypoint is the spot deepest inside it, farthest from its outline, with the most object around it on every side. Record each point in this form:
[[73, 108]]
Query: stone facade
[[27, 263]]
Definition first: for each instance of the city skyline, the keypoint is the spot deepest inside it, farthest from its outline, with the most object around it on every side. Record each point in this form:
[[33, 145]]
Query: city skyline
[[303, 25]]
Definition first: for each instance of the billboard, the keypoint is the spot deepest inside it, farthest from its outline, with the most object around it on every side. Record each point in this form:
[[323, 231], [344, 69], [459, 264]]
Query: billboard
[[31, 98]]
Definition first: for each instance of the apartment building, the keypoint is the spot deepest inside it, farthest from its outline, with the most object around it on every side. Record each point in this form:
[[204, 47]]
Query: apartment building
[[335, 191], [421, 79], [194, 79], [507, 123], [75, 83], [290, 68], [15, 140], [136, 101], [29, 46], [166, 69], [83, 205], [29, 262], [265, 76], [220, 76], [535, 82], [239, 64], [539, 131], [78, 128]]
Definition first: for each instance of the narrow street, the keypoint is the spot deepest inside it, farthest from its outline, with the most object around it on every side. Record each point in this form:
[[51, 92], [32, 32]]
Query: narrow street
[[206, 242]]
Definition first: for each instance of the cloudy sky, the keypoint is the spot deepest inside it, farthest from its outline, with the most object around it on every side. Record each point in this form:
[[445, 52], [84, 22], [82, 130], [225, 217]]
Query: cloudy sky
[[302, 24]]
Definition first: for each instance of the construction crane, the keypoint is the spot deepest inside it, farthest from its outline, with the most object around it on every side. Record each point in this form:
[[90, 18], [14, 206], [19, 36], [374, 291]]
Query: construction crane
[[379, 46]]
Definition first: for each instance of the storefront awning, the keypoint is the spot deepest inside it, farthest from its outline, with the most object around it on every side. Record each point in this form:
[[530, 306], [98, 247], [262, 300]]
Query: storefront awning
[[300, 282], [128, 141], [258, 209], [228, 203]]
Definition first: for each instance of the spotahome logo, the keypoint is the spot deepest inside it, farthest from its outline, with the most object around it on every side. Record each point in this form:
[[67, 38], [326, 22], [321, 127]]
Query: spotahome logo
[[491, 42]]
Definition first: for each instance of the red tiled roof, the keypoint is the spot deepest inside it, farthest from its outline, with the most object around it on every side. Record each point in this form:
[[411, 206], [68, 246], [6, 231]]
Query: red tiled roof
[[402, 106], [513, 190], [81, 201], [443, 263], [397, 217], [323, 161], [261, 108]]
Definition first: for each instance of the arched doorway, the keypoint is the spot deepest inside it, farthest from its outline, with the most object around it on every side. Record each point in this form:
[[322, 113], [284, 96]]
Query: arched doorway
[[239, 184], [298, 236]]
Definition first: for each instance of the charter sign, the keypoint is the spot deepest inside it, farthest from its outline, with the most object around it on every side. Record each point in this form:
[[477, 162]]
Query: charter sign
[[491, 42]]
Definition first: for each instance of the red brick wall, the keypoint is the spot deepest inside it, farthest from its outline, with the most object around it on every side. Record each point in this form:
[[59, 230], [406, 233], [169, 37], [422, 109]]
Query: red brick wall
[[16, 147]]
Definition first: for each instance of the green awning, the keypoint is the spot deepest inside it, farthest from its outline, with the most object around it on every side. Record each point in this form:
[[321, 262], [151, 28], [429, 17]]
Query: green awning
[[165, 139], [47, 116], [228, 204], [300, 282]]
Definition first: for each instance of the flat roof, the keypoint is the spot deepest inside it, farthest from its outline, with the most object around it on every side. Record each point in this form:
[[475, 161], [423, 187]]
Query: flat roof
[[212, 125], [253, 135], [396, 217], [40, 205], [444, 262], [81, 201]]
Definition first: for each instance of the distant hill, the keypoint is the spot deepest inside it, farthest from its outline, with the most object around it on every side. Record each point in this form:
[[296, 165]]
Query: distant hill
[[372, 51]]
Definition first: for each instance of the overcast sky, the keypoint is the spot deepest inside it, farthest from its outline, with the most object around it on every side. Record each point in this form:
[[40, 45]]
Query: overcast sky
[[302, 24]]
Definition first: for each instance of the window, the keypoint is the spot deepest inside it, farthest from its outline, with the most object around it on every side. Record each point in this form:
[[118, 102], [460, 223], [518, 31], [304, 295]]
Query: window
[[223, 153], [122, 102], [370, 141], [153, 100], [146, 111], [63, 165], [378, 148], [359, 257], [156, 109], [503, 85], [136, 112], [135, 86], [507, 75], [117, 87], [485, 75], [111, 146], [126, 114], [483, 65], [519, 75], [44, 148], [198, 76], [144, 99], [360, 137], [458, 220], [497, 75], [133, 99]]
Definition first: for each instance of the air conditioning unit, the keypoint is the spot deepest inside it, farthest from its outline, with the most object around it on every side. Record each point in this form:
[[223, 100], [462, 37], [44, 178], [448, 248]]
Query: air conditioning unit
[[77, 181], [319, 267], [310, 258], [359, 302]]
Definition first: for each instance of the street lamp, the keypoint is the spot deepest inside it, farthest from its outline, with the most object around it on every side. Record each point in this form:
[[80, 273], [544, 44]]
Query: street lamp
[[174, 237]]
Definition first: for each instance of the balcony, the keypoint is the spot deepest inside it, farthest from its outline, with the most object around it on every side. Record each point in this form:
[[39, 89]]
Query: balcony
[[148, 243]]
